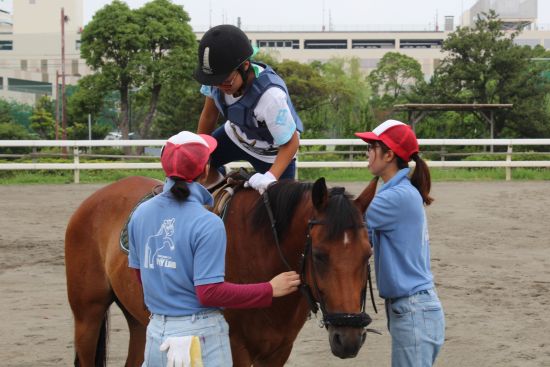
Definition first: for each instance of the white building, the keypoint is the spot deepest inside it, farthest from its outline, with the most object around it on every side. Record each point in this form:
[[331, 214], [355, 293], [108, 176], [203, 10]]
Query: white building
[[30, 43], [30, 48]]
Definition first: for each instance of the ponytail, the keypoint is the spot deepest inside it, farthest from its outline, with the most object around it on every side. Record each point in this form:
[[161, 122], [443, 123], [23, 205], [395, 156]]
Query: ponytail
[[421, 179], [180, 189]]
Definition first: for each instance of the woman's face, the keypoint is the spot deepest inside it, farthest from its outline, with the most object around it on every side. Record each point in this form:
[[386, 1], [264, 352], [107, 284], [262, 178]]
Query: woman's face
[[376, 155]]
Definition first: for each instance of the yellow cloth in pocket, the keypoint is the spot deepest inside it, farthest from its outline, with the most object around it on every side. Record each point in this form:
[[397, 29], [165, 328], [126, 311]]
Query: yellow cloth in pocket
[[195, 352]]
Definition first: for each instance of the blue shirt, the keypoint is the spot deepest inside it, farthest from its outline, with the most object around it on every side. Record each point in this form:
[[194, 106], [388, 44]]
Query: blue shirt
[[398, 230], [176, 245]]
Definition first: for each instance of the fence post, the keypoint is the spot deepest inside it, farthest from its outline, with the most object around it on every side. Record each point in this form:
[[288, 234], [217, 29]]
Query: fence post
[[76, 161], [509, 160], [296, 163]]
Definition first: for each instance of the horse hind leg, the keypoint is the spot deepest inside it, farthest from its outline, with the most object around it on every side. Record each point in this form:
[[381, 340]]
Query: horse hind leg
[[136, 343], [91, 327]]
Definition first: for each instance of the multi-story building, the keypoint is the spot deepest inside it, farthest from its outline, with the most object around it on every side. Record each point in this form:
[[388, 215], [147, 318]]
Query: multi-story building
[[30, 48], [30, 43]]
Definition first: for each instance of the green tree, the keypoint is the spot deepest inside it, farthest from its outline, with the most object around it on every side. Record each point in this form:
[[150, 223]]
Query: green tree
[[394, 75], [42, 120], [346, 109], [111, 43], [483, 65], [137, 52], [168, 53]]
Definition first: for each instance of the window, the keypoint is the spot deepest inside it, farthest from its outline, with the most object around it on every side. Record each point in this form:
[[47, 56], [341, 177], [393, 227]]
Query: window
[[29, 86], [74, 67], [421, 43], [24, 64], [372, 43], [32, 2], [6, 45], [326, 44], [44, 66], [77, 45], [279, 43]]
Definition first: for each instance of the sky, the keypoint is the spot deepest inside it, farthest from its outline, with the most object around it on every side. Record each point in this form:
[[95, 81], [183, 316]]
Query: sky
[[312, 14], [295, 15]]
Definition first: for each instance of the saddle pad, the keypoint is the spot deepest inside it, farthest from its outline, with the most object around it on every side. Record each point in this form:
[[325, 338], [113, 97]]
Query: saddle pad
[[123, 241]]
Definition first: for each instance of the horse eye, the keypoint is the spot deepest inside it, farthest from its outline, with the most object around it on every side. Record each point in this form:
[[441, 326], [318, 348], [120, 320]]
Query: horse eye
[[320, 257]]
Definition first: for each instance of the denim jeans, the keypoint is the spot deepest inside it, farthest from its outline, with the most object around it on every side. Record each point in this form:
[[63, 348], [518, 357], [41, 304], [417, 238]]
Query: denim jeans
[[209, 326], [227, 152], [417, 327]]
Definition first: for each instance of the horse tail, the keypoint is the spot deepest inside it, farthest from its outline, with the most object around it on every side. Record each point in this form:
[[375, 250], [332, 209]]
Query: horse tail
[[101, 347]]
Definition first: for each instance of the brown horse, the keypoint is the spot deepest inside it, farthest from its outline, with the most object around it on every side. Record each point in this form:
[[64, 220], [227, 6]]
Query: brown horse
[[266, 235]]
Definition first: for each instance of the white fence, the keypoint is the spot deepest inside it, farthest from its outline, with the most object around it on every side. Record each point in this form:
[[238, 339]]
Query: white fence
[[78, 145]]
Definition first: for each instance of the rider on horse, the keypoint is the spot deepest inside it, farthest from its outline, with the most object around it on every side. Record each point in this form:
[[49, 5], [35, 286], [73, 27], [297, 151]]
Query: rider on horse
[[262, 126]]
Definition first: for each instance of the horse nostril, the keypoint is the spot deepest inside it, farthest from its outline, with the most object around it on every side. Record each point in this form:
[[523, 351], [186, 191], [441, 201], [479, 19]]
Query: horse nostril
[[337, 339], [363, 337]]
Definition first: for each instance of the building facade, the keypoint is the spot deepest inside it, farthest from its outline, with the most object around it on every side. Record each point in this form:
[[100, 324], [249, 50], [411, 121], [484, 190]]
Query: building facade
[[30, 43], [30, 48]]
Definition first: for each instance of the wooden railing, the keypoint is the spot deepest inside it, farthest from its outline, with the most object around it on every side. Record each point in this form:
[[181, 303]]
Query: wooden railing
[[77, 148]]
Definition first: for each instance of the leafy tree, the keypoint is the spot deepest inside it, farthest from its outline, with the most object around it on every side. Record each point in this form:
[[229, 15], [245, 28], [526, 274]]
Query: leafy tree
[[42, 121], [111, 43], [394, 75], [346, 109], [168, 53], [136, 53], [483, 65]]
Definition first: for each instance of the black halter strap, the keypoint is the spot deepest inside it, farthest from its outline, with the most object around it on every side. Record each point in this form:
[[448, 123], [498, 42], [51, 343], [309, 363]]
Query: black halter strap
[[360, 319]]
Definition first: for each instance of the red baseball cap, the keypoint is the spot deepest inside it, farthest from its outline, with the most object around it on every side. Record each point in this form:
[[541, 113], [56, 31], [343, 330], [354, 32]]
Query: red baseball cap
[[185, 155], [398, 136]]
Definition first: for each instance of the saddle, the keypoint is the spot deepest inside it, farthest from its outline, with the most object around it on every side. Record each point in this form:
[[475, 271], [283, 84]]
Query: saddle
[[222, 197]]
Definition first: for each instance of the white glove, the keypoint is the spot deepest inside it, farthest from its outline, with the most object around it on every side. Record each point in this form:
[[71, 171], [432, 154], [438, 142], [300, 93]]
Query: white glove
[[178, 351], [260, 181]]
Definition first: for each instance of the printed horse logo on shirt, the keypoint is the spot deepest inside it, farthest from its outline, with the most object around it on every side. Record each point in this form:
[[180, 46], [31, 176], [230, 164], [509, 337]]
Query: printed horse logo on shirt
[[159, 241]]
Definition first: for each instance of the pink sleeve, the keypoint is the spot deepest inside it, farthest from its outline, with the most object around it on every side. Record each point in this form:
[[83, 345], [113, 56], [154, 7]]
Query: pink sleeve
[[231, 295]]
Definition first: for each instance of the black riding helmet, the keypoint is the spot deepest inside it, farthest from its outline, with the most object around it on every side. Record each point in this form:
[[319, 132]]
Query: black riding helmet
[[222, 49]]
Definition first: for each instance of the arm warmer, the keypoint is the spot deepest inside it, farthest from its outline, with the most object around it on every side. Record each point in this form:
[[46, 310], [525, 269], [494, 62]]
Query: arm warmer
[[231, 295]]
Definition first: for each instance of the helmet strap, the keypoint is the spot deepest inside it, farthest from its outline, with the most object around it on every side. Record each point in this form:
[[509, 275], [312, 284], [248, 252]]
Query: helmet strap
[[244, 76]]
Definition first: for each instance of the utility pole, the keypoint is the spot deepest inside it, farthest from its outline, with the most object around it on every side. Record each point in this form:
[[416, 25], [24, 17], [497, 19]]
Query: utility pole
[[63, 95], [57, 105]]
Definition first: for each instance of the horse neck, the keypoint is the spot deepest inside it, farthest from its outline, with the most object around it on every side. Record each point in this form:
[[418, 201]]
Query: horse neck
[[294, 241]]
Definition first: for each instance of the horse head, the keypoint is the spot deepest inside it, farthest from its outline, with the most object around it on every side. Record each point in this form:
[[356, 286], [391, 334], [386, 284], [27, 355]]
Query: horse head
[[336, 268]]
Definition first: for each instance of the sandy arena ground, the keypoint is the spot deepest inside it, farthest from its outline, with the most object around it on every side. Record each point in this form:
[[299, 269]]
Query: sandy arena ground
[[490, 256]]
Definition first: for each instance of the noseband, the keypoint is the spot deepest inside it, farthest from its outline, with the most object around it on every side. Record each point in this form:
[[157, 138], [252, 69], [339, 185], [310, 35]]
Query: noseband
[[361, 319]]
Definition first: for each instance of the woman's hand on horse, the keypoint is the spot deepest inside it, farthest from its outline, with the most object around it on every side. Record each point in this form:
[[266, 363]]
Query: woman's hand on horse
[[285, 283]]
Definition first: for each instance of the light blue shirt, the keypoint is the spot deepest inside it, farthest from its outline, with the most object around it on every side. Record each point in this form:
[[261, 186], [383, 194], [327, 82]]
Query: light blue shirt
[[398, 230], [177, 245]]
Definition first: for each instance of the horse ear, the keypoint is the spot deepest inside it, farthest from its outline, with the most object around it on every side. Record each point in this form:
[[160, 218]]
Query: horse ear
[[319, 194], [364, 199]]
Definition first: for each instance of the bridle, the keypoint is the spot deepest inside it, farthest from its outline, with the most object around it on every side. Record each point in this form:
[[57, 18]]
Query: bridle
[[361, 319]]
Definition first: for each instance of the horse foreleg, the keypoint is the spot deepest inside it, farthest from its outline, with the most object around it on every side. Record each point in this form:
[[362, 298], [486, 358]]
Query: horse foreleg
[[276, 359], [239, 353]]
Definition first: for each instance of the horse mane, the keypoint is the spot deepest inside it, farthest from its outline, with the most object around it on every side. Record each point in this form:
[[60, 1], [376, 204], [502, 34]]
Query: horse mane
[[285, 196], [341, 214]]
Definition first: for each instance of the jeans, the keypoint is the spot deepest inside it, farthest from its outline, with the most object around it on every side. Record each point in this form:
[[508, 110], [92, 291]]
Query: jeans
[[227, 151], [209, 326], [417, 327]]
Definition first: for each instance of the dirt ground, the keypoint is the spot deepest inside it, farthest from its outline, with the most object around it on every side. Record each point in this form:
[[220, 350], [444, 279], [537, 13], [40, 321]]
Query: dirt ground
[[490, 257]]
